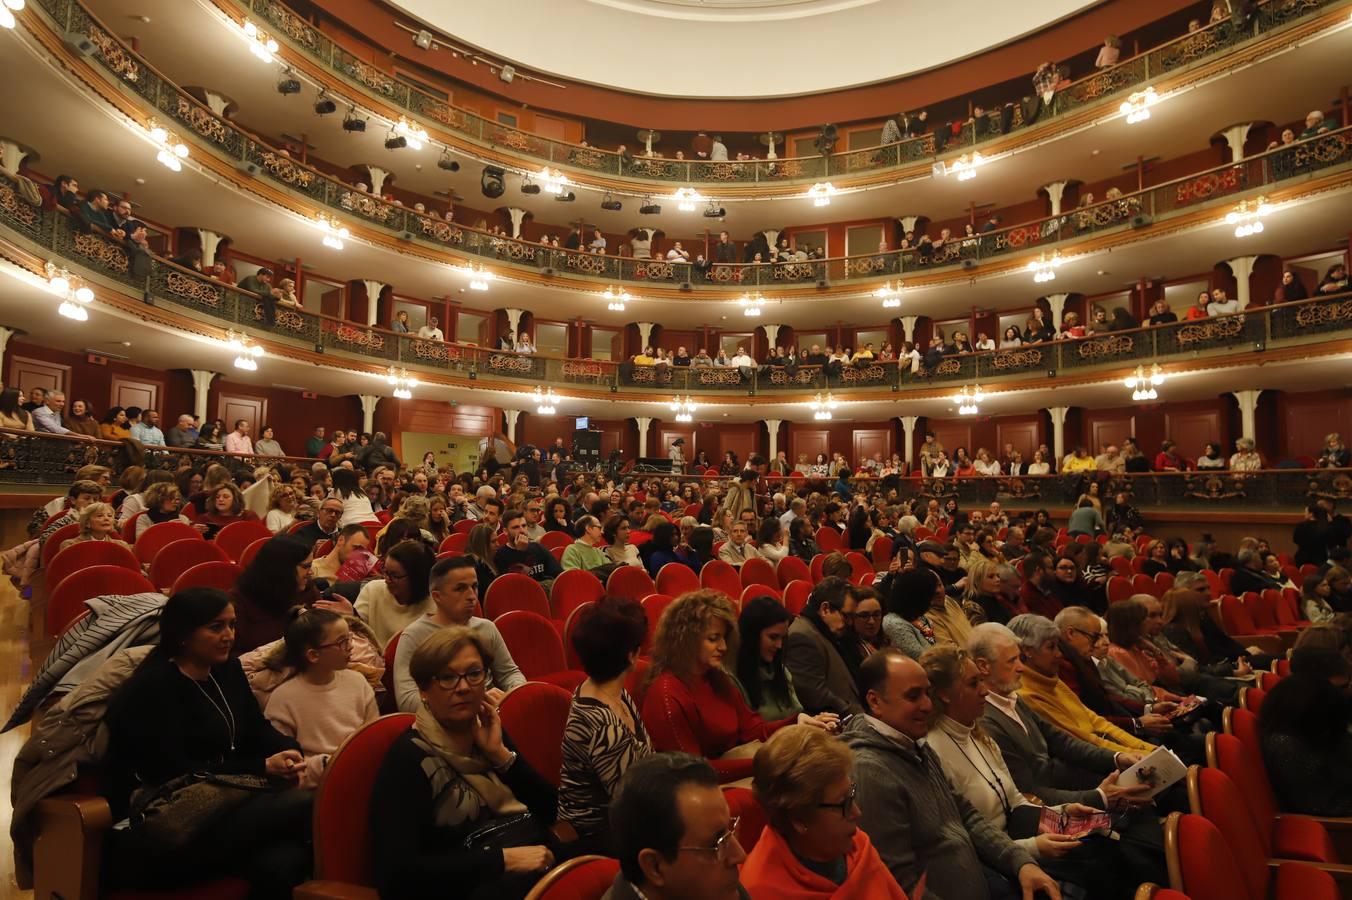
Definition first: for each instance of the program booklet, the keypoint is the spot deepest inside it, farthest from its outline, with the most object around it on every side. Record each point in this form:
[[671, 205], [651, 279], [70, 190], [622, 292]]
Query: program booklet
[[1161, 770], [1056, 821]]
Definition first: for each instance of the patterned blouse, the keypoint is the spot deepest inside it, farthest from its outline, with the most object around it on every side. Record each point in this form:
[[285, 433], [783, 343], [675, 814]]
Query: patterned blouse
[[597, 749]]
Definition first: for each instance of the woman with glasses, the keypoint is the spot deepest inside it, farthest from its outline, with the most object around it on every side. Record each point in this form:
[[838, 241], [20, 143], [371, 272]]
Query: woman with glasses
[[453, 802], [390, 604], [813, 847], [1069, 587], [275, 583], [867, 627]]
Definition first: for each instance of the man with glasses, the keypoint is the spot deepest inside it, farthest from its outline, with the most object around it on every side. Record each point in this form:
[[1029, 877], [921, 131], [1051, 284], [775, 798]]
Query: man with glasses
[[455, 591], [535, 508], [586, 552], [325, 525], [674, 834]]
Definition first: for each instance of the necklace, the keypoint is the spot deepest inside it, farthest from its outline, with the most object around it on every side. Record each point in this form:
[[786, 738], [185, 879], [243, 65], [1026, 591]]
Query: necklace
[[222, 708], [1000, 791]]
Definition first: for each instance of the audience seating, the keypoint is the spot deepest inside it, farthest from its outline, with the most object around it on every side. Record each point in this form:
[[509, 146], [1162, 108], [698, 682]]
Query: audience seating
[[569, 624], [752, 591], [795, 596], [1164, 581], [53, 545], [321, 549], [220, 574], [534, 716], [881, 551], [815, 568], [235, 537], [554, 539], [65, 603], [677, 578], [534, 643], [387, 677], [341, 811], [1144, 584], [129, 527], [1236, 622], [454, 543], [580, 878], [1286, 605], [791, 568], [828, 539], [88, 553], [252, 550], [464, 526], [515, 591], [653, 607], [177, 557], [1119, 588], [630, 581], [1138, 563], [1213, 794], [742, 803], [1251, 699], [1281, 667], [1122, 566], [759, 571], [859, 564], [719, 576], [157, 536], [571, 589], [557, 553], [1207, 868]]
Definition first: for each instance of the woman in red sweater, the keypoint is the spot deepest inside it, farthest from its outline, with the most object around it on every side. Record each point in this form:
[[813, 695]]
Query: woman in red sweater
[[692, 704]]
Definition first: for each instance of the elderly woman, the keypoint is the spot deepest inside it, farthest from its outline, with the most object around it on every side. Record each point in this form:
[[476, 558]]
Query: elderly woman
[[97, 523], [1245, 458], [813, 848], [451, 775], [604, 733], [906, 625], [1129, 647], [693, 704], [163, 501]]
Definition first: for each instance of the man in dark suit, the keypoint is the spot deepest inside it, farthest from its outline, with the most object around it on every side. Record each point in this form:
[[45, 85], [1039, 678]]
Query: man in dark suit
[[812, 651]]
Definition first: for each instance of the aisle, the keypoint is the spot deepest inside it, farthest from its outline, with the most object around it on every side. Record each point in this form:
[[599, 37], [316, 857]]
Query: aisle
[[15, 672]]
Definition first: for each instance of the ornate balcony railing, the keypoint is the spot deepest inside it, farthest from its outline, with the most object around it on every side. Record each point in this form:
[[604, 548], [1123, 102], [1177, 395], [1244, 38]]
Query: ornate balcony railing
[[1137, 209], [1207, 43]]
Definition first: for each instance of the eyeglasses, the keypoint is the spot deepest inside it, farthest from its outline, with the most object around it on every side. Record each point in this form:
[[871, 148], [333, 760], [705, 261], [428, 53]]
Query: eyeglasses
[[449, 681], [395, 576], [345, 642], [723, 846], [844, 805], [1094, 636], [869, 616]]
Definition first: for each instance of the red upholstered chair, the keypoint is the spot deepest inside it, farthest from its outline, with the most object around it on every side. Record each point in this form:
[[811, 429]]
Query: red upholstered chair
[[815, 568], [464, 526], [557, 553], [1268, 680], [828, 539], [1144, 584], [321, 549], [1288, 609], [1213, 794], [89, 553], [1138, 563], [1164, 581], [156, 536], [221, 574], [653, 607], [1225, 575], [1236, 622], [387, 677], [129, 529], [795, 596], [342, 807], [720, 576], [571, 589], [759, 571], [534, 715], [580, 878], [53, 545], [177, 557], [568, 625], [252, 550], [1281, 667], [791, 568], [752, 591], [630, 581], [554, 539], [677, 578], [1205, 866], [1251, 699], [1119, 588], [742, 804], [534, 643], [515, 591], [859, 564], [237, 536], [881, 551], [65, 603], [1122, 566], [454, 543]]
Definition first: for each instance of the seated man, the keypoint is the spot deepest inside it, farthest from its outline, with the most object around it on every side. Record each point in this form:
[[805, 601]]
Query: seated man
[[673, 833], [325, 524], [738, 548], [521, 554], [918, 824], [47, 418], [586, 552], [811, 653], [351, 539]]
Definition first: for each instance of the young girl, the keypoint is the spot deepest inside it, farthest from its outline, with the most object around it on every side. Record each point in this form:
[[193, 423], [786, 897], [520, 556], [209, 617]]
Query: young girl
[[326, 701]]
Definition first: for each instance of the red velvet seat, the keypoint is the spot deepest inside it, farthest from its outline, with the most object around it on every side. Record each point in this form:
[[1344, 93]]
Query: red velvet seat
[[677, 578], [859, 565], [653, 607], [752, 591], [1164, 581], [454, 543], [534, 643], [464, 526], [554, 539], [65, 603], [571, 589], [220, 574], [252, 550], [630, 581], [1138, 563], [534, 715], [881, 551], [791, 568], [235, 537], [53, 544], [568, 625], [580, 878], [815, 568], [1119, 588], [387, 677], [177, 557], [515, 591], [759, 571], [1287, 837], [156, 536], [719, 576], [1208, 868], [828, 539], [89, 553], [129, 527], [1251, 699], [1122, 566], [795, 596], [753, 817], [1144, 584], [1235, 617]]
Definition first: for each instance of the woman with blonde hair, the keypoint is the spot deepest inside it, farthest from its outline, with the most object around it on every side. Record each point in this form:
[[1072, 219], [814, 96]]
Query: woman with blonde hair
[[98, 522], [813, 848], [693, 704], [162, 501], [281, 509]]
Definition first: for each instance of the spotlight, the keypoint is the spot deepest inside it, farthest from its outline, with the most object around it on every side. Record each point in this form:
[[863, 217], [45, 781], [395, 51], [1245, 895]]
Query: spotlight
[[507, 73], [649, 208], [395, 142], [825, 142], [447, 163], [566, 197], [491, 182], [529, 187], [714, 212], [288, 84], [325, 105], [423, 40], [609, 202], [352, 123]]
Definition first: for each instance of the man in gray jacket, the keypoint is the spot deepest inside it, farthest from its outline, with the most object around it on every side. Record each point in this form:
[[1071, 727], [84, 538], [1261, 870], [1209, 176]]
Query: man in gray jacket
[[821, 678], [915, 820]]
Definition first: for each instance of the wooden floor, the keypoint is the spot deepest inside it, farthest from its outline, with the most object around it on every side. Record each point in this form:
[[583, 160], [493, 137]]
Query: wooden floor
[[16, 668]]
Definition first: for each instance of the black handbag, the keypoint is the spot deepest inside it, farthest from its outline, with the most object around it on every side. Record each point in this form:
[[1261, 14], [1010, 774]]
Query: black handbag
[[175, 813], [519, 830]]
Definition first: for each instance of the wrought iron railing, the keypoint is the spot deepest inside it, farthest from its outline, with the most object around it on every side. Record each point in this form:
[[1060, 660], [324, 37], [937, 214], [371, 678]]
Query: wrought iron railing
[[1207, 43], [1137, 209]]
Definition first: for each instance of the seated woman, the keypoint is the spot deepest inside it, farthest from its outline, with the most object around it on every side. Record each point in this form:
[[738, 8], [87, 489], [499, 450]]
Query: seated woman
[[1129, 647], [983, 600], [662, 549], [615, 531], [692, 704], [454, 804], [1314, 599], [224, 507], [867, 628], [1120, 683], [21, 562], [1304, 728], [97, 523], [1069, 587], [760, 675], [813, 847], [402, 596], [771, 540], [136, 502], [324, 702], [281, 509], [1189, 626], [605, 732], [905, 624], [163, 502], [188, 709], [481, 547], [275, 583], [1156, 559]]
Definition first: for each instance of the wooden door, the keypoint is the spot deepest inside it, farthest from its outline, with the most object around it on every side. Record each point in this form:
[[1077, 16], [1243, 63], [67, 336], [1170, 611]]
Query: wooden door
[[127, 392], [26, 374], [739, 439], [868, 441], [1024, 433], [1192, 430], [951, 435], [808, 442], [1108, 427], [232, 407], [667, 434]]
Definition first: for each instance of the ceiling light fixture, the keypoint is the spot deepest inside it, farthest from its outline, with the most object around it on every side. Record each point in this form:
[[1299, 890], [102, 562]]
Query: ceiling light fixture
[[969, 400], [545, 401], [74, 295], [478, 276], [7, 12], [334, 232], [616, 298], [1137, 107], [821, 193], [686, 198], [552, 180], [889, 294], [822, 407], [402, 382], [965, 166], [172, 150], [1044, 267], [1143, 385], [684, 409], [751, 304], [260, 44], [1248, 216], [246, 351], [414, 135]]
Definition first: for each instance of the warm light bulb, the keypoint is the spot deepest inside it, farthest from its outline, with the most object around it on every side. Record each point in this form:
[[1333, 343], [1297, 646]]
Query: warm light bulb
[[6, 18], [59, 284], [84, 294], [72, 311], [181, 151]]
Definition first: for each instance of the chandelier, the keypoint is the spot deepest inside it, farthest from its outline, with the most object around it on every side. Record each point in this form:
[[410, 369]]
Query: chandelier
[[478, 276], [74, 295], [889, 294], [969, 399], [686, 198], [684, 409], [616, 298], [1044, 267], [246, 351], [414, 135], [821, 193], [822, 407], [1248, 216], [260, 45], [544, 401], [334, 232], [7, 10], [751, 304], [1137, 107], [1143, 385], [171, 148], [403, 382], [965, 166], [553, 181]]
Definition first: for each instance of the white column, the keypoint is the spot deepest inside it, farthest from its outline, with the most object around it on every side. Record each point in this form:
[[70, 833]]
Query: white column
[[517, 215], [908, 223], [1058, 414], [215, 102], [210, 240], [908, 437], [201, 384], [908, 328], [11, 156], [648, 134], [771, 332], [1248, 403], [645, 334], [1242, 268], [1055, 191], [373, 289], [511, 415], [1235, 136], [5, 335], [1058, 304], [643, 423], [378, 176], [771, 238], [368, 411], [772, 426], [514, 322]]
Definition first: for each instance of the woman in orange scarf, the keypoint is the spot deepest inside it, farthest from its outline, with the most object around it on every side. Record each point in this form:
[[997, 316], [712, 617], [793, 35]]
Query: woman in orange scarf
[[813, 848]]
